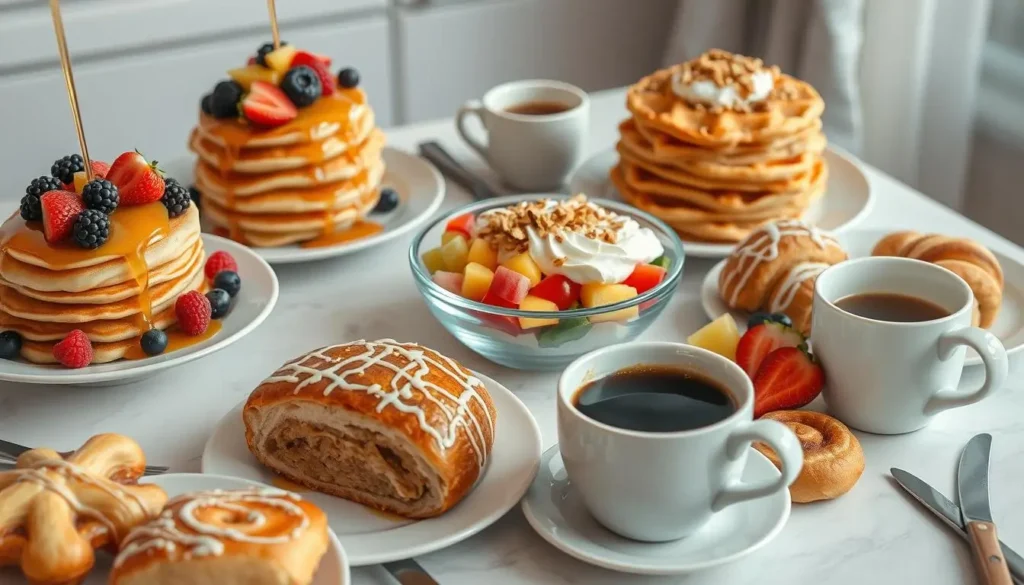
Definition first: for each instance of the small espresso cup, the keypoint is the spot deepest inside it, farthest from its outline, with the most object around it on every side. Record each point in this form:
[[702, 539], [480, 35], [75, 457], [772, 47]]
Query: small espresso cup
[[660, 486], [892, 377], [531, 152]]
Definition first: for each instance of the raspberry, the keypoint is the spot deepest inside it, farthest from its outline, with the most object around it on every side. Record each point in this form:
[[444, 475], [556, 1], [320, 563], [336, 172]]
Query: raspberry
[[218, 262], [74, 351], [193, 312]]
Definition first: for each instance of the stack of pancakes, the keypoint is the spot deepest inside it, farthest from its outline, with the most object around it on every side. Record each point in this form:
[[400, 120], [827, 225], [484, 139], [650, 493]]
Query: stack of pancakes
[[712, 172], [114, 293], [315, 175]]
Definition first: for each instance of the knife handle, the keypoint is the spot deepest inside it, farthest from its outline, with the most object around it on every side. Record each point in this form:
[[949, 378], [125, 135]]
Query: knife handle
[[988, 555]]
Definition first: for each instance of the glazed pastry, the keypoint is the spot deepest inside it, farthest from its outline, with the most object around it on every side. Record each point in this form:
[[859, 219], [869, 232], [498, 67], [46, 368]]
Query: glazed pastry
[[54, 512], [966, 258], [833, 458], [259, 536], [394, 426], [774, 270]]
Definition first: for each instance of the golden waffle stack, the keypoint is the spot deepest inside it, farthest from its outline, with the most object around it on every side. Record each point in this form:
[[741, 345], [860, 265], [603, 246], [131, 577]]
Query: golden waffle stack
[[114, 293], [314, 176], [716, 172]]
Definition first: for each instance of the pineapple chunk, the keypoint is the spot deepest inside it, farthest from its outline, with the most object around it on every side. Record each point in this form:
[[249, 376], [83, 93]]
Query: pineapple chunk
[[280, 59], [477, 281], [598, 295], [80, 181], [720, 336], [454, 254], [449, 236], [524, 264], [433, 260], [482, 253], [244, 76], [531, 303]]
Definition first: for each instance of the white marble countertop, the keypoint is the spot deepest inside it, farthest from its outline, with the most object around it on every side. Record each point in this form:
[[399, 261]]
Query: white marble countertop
[[874, 534]]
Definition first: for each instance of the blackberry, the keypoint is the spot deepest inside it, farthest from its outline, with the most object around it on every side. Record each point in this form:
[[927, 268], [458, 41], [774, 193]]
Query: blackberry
[[207, 104], [220, 302], [389, 200], [302, 85], [65, 168], [31, 210], [10, 345], [101, 195], [261, 53], [226, 95], [348, 77], [176, 198], [228, 281], [153, 342], [92, 228]]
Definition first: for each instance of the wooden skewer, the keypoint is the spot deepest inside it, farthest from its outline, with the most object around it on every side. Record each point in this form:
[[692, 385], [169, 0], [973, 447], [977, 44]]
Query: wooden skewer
[[69, 80], [272, 9]]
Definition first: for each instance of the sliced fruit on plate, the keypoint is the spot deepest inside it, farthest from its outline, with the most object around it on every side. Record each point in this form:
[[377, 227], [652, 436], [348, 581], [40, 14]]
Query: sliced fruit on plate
[[599, 295], [245, 76], [462, 224], [280, 59], [566, 331], [482, 253], [508, 288], [316, 63], [760, 341], [788, 378], [477, 281], [266, 105], [450, 281], [645, 277], [720, 336], [60, 210], [455, 254], [524, 264], [138, 181], [559, 290], [433, 260], [531, 303]]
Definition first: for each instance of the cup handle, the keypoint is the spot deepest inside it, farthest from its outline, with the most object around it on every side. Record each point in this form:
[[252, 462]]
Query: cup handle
[[782, 440], [993, 356], [471, 108]]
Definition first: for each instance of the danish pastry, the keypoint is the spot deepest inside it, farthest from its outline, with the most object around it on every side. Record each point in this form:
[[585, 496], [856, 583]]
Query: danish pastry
[[394, 426], [54, 511]]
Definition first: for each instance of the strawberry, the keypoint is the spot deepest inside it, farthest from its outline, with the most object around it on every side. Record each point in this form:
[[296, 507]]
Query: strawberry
[[760, 341], [219, 261], [267, 105], [193, 311], [60, 210], [138, 181], [788, 378], [74, 351], [316, 63]]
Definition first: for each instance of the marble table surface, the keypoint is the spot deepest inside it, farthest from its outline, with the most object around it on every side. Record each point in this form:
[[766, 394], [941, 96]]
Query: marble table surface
[[874, 534]]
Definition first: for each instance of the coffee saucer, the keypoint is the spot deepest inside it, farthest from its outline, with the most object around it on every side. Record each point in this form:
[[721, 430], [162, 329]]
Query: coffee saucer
[[556, 511]]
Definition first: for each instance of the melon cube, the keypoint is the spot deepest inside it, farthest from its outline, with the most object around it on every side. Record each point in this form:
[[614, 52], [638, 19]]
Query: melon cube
[[720, 336], [598, 295], [433, 260], [477, 281], [244, 76], [449, 236], [455, 254], [531, 303], [508, 287], [449, 281], [524, 264], [280, 59], [482, 253]]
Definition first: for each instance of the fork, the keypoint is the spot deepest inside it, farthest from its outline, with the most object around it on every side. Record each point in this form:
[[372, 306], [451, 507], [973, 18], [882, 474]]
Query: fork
[[11, 451]]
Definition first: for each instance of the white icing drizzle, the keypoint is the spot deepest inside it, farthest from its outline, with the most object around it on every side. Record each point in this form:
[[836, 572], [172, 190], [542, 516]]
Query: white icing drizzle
[[796, 277], [406, 378]]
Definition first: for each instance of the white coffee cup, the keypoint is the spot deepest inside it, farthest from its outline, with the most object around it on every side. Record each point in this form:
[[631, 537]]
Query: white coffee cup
[[888, 377], [530, 152], [654, 486]]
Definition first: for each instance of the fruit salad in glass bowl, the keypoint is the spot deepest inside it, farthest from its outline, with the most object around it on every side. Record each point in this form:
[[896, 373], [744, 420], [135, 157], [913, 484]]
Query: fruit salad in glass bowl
[[535, 281]]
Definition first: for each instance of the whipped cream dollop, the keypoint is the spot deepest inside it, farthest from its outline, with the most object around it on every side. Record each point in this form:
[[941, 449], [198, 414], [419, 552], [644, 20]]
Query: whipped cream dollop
[[706, 91]]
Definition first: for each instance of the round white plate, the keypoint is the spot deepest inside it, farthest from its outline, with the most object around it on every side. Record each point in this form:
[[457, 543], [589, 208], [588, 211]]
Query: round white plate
[[846, 201], [1009, 325], [556, 511], [252, 305], [333, 569], [418, 183], [370, 537]]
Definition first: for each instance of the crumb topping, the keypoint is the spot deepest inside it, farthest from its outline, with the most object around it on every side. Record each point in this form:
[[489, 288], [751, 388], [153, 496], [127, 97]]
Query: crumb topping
[[506, 228], [725, 69]]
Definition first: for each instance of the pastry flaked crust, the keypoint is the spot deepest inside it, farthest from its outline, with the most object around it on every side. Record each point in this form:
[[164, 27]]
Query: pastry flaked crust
[[395, 426]]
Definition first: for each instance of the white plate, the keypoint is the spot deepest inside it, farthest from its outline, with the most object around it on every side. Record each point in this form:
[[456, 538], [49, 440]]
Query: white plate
[[1009, 325], [556, 511], [846, 201], [333, 568], [252, 305], [370, 537], [418, 183]]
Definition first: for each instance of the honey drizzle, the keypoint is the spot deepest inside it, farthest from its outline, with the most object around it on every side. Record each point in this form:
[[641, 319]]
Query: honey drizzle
[[358, 230], [176, 339]]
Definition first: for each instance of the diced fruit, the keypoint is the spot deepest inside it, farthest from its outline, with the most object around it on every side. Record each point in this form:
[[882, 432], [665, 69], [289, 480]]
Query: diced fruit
[[565, 331], [60, 210], [138, 181], [509, 325], [99, 171], [524, 264], [599, 295], [482, 253], [218, 262], [758, 318], [761, 340], [559, 290], [477, 281], [788, 378], [433, 260], [245, 76], [645, 277], [492, 299], [463, 224], [264, 50], [449, 281], [266, 105], [317, 64], [74, 351], [508, 288], [720, 336], [280, 59], [193, 312], [455, 253], [662, 261], [449, 236], [531, 303]]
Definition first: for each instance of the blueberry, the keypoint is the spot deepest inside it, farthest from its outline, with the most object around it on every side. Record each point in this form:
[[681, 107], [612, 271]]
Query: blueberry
[[758, 318], [348, 77], [302, 85], [220, 302], [224, 102], [228, 281], [781, 318], [389, 200], [154, 342], [10, 345]]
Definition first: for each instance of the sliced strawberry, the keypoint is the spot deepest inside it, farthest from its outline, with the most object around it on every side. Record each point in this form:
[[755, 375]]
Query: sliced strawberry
[[788, 378], [462, 224], [760, 341], [138, 181], [645, 277], [317, 64], [266, 105], [559, 290], [60, 210]]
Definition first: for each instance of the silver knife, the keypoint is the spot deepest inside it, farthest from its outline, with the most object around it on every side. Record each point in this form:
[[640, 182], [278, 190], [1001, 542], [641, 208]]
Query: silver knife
[[972, 487], [949, 513], [409, 572]]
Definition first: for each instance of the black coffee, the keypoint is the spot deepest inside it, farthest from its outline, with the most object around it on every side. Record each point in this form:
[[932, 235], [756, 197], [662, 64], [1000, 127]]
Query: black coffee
[[538, 108], [891, 307], [655, 399]]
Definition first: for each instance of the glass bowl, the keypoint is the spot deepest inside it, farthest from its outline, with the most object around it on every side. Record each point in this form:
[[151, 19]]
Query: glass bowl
[[494, 332]]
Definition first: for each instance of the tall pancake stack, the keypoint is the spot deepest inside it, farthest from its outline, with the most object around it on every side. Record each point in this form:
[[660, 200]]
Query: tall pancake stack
[[719, 145]]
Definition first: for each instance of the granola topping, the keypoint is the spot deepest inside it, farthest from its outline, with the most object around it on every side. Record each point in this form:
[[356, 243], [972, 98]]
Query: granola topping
[[506, 229], [719, 80]]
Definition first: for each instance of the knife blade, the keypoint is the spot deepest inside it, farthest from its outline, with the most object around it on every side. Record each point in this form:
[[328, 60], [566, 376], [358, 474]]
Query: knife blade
[[409, 572], [972, 488], [949, 513]]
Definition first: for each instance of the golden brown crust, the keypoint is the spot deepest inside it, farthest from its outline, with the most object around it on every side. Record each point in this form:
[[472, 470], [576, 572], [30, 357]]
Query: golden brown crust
[[892, 244]]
